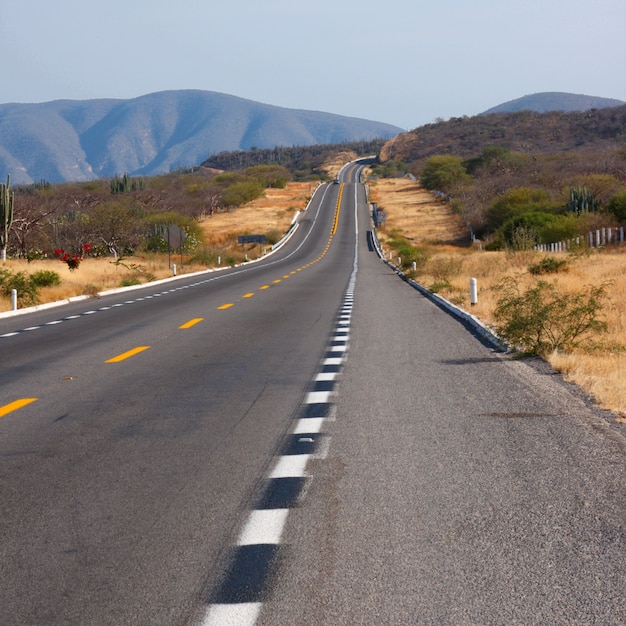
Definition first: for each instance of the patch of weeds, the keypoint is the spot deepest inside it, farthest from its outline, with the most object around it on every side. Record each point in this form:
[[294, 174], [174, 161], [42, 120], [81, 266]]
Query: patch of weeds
[[91, 291], [548, 265], [439, 286]]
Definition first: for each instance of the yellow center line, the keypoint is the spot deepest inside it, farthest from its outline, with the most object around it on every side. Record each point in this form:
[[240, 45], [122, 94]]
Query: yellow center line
[[193, 322], [225, 306], [249, 295], [126, 355], [286, 276], [264, 287], [13, 406], [277, 281]]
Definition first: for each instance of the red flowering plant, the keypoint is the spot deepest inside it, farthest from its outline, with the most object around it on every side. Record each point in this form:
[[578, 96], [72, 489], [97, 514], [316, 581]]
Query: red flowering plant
[[73, 260]]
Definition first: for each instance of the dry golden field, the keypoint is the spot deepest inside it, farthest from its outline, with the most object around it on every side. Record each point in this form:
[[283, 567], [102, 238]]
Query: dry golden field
[[426, 221], [273, 212]]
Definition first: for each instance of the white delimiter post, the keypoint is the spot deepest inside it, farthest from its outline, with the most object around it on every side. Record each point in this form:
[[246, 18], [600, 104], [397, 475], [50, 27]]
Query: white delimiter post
[[13, 299], [473, 291]]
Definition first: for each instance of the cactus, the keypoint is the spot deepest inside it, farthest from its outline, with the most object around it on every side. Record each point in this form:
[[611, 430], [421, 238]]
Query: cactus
[[6, 216], [582, 201]]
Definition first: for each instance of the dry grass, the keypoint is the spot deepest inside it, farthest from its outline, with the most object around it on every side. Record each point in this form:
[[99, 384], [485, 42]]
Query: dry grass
[[273, 212], [413, 211], [600, 371]]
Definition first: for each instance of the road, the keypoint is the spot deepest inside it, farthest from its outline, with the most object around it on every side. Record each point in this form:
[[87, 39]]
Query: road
[[304, 440]]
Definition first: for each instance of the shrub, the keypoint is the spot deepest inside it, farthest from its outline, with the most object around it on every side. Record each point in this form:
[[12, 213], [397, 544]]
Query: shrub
[[541, 320], [45, 278], [548, 265], [27, 290]]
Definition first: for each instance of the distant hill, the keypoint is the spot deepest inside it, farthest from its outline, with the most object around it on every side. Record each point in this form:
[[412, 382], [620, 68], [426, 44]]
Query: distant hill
[[76, 140], [554, 101], [524, 131]]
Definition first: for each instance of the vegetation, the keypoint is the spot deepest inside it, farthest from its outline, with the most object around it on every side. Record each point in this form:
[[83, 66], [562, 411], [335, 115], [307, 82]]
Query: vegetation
[[303, 162], [540, 319], [6, 216], [524, 178]]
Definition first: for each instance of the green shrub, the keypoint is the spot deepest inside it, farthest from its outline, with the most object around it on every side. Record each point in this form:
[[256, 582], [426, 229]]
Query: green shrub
[[541, 320], [27, 290], [45, 278]]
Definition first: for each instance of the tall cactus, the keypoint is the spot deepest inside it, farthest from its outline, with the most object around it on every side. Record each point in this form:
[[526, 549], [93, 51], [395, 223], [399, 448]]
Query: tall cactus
[[6, 217], [582, 201]]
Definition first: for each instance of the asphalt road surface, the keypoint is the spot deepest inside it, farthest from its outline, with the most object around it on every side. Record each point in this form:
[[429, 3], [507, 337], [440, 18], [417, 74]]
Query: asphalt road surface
[[303, 440]]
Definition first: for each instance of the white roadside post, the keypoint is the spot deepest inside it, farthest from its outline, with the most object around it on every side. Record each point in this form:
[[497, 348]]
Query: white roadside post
[[473, 291], [13, 299]]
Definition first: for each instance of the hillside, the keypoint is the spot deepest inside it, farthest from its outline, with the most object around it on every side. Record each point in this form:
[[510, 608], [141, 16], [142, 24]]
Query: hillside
[[554, 101], [77, 140], [525, 131]]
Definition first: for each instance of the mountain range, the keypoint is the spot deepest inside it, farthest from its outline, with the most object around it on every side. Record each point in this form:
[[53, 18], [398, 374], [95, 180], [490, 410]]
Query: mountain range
[[77, 140]]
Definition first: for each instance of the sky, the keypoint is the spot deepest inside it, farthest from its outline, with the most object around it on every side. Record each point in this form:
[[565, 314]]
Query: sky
[[407, 63]]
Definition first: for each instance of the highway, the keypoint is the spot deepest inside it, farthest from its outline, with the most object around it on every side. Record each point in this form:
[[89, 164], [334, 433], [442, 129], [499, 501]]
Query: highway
[[302, 440]]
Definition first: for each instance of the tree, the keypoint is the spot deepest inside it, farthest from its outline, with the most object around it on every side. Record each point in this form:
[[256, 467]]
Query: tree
[[442, 172], [617, 206]]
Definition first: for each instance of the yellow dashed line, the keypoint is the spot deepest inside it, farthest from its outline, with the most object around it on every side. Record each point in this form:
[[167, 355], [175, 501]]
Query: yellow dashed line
[[225, 306], [265, 287], [192, 322], [13, 406], [126, 355], [249, 295]]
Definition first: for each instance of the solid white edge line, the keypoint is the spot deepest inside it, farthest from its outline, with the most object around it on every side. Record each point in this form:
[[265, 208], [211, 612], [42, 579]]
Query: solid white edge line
[[290, 466], [243, 614], [263, 526]]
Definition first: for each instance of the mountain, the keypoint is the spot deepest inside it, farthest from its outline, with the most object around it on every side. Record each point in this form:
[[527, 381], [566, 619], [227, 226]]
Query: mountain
[[523, 131], [75, 140], [554, 101]]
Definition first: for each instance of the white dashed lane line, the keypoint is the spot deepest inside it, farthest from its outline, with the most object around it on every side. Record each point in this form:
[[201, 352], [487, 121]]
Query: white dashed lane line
[[239, 598]]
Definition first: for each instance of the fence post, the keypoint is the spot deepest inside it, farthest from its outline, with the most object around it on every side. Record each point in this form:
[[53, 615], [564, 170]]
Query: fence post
[[13, 299]]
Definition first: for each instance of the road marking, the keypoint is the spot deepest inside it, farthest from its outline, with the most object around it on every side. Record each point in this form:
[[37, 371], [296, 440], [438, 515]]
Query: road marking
[[126, 355], [13, 406], [248, 295], [263, 526], [308, 425], [225, 306], [264, 287], [191, 323], [244, 614], [277, 281], [291, 466]]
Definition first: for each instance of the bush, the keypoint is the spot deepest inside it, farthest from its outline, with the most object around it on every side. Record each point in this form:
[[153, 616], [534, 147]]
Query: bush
[[27, 290], [541, 320], [45, 278]]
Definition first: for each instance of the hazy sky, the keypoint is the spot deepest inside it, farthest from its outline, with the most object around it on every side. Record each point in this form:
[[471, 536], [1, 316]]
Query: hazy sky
[[406, 62]]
